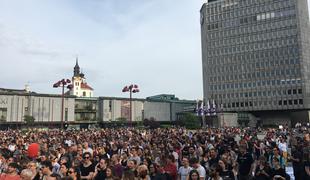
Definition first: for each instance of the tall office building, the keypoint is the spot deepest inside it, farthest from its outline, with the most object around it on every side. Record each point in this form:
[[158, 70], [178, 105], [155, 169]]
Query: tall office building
[[256, 57]]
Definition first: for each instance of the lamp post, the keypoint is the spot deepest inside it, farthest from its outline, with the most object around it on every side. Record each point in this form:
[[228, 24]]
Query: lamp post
[[133, 88], [63, 83]]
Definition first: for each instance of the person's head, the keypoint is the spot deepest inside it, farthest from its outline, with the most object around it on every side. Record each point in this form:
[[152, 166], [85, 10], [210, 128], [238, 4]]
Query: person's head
[[74, 172], [276, 151], [86, 157], [64, 160], [32, 166], [276, 162], [147, 161], [215, 170], [26, 174], [213, 153], [194, 162], [194, 175], [46, 167], [142, 171], [63, 169], [128, 175], [131, 164], [185, 162], [102, 164], [152, 168], [12, 168], [242, 149], [115, 158], [222, 164], [134, 151], [191, 150], [170, 159], [109, 172], [85, 145]]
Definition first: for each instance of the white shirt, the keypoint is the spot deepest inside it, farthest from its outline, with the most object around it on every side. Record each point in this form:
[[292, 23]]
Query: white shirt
[[184, 172], [201, 171]]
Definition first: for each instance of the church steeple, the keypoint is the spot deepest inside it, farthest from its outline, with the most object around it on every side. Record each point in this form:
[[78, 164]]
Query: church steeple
[[76, 71]]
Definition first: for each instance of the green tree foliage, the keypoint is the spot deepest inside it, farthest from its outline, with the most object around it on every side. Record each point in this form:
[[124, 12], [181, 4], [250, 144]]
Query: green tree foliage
[[29, 120], [190, 121]]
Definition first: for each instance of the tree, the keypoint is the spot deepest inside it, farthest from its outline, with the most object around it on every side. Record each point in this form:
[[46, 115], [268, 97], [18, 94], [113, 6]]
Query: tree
[[190, 121], [29, 120]]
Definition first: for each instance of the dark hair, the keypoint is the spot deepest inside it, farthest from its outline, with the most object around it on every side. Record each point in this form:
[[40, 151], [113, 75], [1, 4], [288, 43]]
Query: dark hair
[[85, 153], [193, 172], [194, 160], [48, 164], [14, 165], [129, 175]]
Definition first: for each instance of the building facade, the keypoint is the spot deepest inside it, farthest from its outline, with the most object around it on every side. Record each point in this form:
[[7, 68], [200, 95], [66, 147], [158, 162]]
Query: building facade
[[82, 112], [256, 57], [44, 108]]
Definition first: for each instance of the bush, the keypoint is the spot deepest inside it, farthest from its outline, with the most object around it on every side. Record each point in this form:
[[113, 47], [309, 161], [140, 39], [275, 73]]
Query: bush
[[190, 121]]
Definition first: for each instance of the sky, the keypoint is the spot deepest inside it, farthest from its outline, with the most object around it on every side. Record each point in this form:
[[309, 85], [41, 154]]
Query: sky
[[152, 43]]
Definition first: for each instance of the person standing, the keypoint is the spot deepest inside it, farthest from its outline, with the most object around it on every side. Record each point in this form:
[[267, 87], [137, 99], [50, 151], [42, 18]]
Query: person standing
[[87, 167], [245, 161], [100, 170], [11, 173], [184, 170]]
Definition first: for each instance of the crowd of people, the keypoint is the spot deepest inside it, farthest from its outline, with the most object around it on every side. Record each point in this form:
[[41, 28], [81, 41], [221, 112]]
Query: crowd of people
[[155, 154]]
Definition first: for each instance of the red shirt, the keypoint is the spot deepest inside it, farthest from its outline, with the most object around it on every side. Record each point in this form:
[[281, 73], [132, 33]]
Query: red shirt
[[172, 169], [9, 177]]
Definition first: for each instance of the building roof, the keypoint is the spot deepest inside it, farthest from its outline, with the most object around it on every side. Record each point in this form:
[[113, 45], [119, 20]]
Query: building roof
[[86, 86], [17, 91]]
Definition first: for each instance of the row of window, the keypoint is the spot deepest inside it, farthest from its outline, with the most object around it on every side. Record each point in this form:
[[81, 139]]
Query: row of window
[[263, 45], [280, 56], [219, 41], [223, 74], [236, 10], [234, 23], [215, 87], [277, 29], [263, 103], [269, 93]]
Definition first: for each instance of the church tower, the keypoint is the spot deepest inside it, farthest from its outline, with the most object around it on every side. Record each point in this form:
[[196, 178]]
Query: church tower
[[80, 86]]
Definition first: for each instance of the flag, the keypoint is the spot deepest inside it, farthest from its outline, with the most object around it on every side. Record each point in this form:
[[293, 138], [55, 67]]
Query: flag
[[201, 109], [213, 108], [196, 108], [208, 108]]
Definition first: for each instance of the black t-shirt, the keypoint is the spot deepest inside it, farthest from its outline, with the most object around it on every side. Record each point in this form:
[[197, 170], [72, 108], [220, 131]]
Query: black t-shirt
[[260, 176], [297, 155], [86, 170], [245, 162], [280, 172], [227, 175], [101, 175], [213, 161]]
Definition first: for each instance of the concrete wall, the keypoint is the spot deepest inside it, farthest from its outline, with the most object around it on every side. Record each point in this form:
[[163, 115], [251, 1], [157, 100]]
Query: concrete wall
[[158, 110], [42, 108], [116, 109], [228, 119]]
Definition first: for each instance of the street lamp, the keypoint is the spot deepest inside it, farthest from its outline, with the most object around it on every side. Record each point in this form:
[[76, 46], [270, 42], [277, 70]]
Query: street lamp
[[63, 83], [133, 88]]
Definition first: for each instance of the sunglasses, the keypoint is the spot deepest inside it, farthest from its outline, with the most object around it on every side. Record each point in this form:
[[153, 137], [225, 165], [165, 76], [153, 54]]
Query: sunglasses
[[86, 157], [70, 172]]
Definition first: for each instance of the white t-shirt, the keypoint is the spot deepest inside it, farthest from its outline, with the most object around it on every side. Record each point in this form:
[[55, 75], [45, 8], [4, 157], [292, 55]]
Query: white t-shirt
[[201, 171], [283, 147], [184, 172]]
